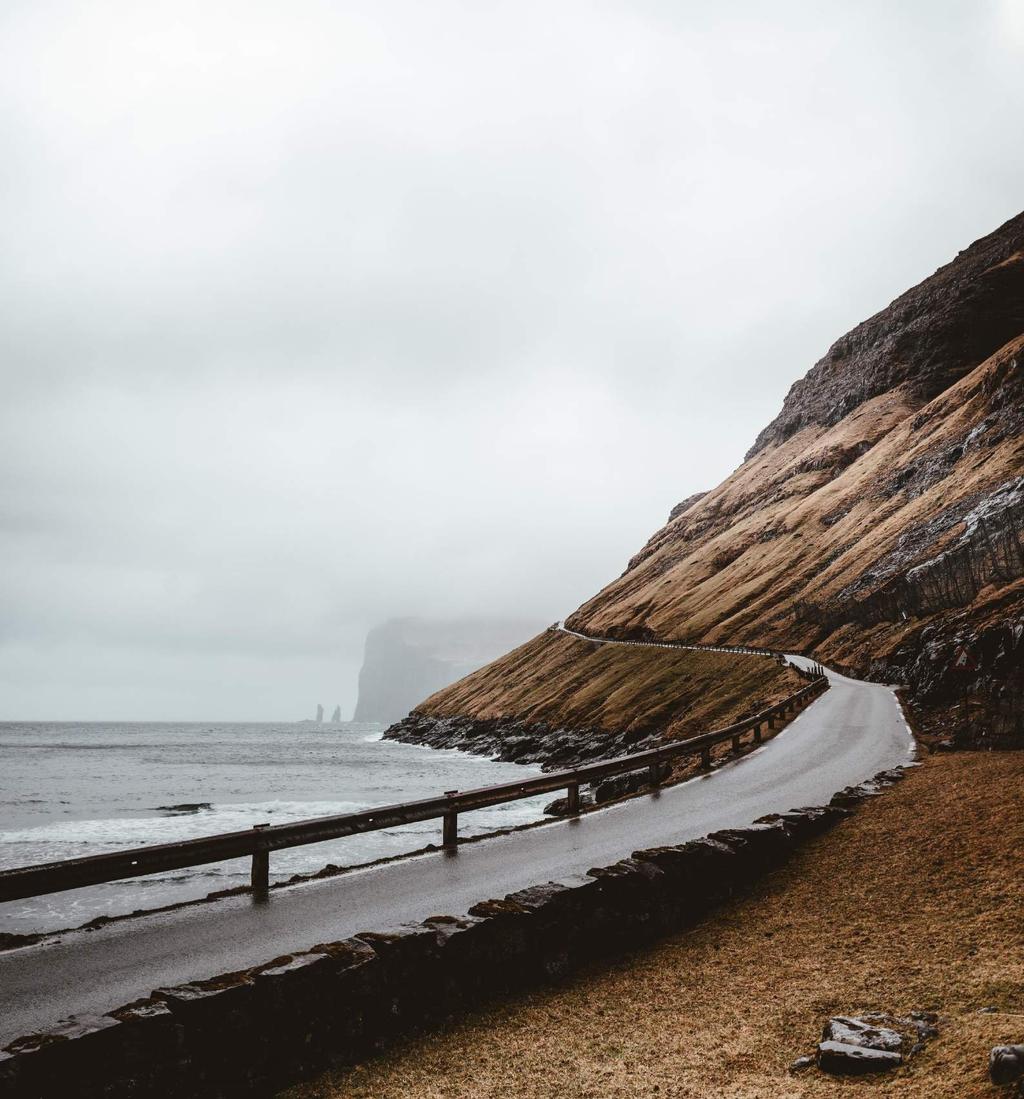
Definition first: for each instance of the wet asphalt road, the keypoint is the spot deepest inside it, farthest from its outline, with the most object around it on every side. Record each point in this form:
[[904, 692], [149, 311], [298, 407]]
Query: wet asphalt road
[[853, 731]]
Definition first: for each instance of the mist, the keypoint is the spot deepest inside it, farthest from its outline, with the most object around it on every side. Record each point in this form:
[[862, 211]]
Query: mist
[[318, 314]]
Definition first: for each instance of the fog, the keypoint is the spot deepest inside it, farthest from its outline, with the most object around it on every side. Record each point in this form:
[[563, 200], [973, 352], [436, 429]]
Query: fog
[[320, 313]]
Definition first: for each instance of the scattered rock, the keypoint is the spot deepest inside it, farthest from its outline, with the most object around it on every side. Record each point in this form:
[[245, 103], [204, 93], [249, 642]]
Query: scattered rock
[[621, 785], [844, 1059], [875, 1042], [860, 1032], [1006, 1064], [560, 806], [802, 1063]]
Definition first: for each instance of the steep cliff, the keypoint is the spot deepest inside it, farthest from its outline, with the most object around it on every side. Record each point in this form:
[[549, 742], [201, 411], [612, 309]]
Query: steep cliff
[[878, 520]]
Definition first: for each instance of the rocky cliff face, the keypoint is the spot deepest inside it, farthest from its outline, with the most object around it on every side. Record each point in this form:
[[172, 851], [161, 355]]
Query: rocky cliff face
[[926, 340], [877, 521], [407, 659]]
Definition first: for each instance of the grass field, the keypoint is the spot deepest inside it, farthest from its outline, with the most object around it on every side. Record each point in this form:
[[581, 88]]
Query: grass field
[[571, 683]]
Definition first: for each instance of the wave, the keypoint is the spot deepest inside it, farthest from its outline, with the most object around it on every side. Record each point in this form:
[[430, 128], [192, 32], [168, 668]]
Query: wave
[[174, 823]]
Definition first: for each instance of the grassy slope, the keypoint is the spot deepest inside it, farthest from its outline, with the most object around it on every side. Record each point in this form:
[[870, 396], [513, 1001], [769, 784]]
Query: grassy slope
[[807, 544], [566, 682], [736, 564], [911, 904]]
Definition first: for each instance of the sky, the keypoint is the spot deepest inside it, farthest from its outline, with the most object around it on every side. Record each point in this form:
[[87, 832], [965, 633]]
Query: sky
[[316, 314]]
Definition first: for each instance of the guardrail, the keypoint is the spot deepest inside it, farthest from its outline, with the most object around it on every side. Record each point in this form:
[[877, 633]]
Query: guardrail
[[640, 642], [257, 842]]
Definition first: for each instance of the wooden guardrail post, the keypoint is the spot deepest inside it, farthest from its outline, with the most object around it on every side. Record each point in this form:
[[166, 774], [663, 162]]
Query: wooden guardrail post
[[259, 874], [573, 799], [736, 743], [450, 829], [705, 759], [757, 734], [654, 774]]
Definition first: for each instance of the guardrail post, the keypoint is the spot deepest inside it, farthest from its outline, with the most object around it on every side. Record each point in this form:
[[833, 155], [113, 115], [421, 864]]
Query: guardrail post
[[705, 759], [259, 875], [736, 743], [757, 733], [654, 774], [450, 830], [573, 798]]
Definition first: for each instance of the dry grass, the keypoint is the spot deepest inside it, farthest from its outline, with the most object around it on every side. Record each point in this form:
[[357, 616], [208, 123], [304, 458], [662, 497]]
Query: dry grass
[[913, 903], [579, 684], [780, 531]]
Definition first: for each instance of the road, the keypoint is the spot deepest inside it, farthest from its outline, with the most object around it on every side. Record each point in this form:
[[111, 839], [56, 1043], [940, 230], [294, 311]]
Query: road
[[853, 731]]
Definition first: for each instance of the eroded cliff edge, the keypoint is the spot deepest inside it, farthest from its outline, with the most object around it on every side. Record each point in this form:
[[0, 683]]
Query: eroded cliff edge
[[878, 521]]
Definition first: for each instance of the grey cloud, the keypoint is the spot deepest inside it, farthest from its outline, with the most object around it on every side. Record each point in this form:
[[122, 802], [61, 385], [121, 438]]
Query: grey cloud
[[316, 315]]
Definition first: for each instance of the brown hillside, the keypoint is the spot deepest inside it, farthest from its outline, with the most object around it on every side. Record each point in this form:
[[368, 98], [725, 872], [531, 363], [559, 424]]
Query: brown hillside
[[878, 521], [611, 699]]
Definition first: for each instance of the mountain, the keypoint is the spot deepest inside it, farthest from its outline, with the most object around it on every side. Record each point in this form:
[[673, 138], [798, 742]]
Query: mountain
[[406, 659], [877, 521]]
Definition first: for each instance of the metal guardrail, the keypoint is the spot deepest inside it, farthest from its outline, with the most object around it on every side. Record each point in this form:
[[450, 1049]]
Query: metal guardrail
[[259, 841], [692, 647]]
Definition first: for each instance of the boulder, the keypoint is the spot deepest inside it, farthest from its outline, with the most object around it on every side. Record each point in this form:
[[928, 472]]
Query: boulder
[[1006, 1064], [861, 1032], [560, 806], [844, 1059]]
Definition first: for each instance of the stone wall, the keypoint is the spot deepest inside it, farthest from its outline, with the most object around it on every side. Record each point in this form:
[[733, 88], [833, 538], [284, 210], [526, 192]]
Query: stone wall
[[252, 1033]]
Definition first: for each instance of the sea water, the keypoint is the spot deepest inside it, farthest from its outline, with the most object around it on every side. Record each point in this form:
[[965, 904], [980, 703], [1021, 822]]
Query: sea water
[[73, 789]]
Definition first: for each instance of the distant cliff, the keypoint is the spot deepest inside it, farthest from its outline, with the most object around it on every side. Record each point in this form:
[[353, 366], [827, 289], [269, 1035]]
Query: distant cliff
[[407, 659]]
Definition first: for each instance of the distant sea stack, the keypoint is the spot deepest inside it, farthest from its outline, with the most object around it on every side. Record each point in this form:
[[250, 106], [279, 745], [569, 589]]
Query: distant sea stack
[[407, 659]]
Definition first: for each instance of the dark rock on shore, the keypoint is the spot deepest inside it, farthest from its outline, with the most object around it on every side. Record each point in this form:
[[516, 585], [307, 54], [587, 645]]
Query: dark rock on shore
[[512, 741], [560, 806]]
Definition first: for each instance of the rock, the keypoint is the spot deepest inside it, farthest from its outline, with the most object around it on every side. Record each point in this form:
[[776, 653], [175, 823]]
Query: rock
[[847, 1030], [925, 340], [560, 806], [621, 785], [685, 505], [1006, 1064], [802, 1063], [844, 1059]]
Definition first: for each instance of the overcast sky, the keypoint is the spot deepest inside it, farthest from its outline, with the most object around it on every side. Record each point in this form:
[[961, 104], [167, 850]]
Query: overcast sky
[[319, 313]]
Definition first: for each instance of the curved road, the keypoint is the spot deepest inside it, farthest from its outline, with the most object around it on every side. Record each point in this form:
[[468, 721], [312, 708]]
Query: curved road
[[853, 731]]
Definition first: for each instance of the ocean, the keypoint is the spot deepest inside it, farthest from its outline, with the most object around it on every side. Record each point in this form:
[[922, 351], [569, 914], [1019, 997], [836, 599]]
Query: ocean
[[71, 789]]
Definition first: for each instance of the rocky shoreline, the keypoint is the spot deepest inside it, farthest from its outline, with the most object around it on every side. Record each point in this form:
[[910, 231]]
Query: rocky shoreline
[[511, 741]]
